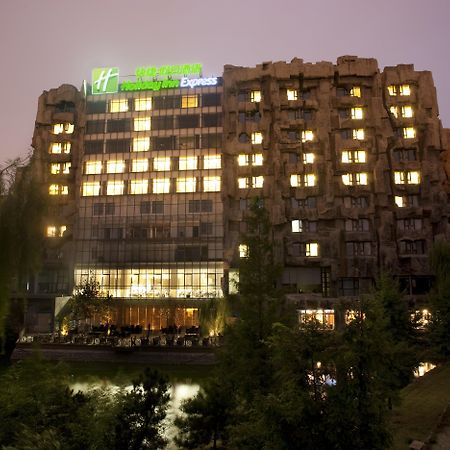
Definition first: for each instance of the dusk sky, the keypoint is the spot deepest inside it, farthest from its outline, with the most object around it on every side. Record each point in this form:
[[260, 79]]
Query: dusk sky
[[45, 43]]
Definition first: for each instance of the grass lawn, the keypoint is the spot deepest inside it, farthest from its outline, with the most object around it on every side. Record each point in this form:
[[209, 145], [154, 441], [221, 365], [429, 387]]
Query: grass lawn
[[422, 403]]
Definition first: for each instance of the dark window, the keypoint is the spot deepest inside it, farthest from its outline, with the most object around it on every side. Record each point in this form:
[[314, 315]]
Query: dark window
[[307, 114], [341, 92], [160, 231], [192, 253], [162, 123], [405, 154], [308, 202], [196, 206], [357, 225], [305, 95], [410, 201], [356, 202], [409, 224], [243, 96], [211, 140], [164, 143], [294, 114], [113, 233], [118, 125], [188, 142], [412, 247], [138, 233], [146, 207], [109, 209], [212, 120], [189, 121], [118, 145], [213, 99], [96, 107], [344, 113], [95, 126], [346, 133], [249, 116], [93, 147], [358, 248], [167, 102], [293, 158], [65, 106], [206, 228], [348, 286], [158, 207], [97, 209], [293, 135]]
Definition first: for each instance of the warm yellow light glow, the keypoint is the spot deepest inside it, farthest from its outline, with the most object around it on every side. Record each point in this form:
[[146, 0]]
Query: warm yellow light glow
[[186, 184], [257, 138], [141, 144], [307, 135], [114, 188], [297, 226], [93, 167], [212, 162], [309, 179], [312, 249], [405, 89], [257, 182], [353, 156], [409, 133], [399, 201], [143, 104], [255, 96], [357, 113], [355, 91], [142, 124], [308, 158], [57, 148], [66, 168], [355, 179], [211, 184], [243, 251], [242, 183], [394, 111], [187, 163], [161, 185], [292, 94], [243, 160], [392, 90], [407, 111], [138, 187], [56, 231], [358, 133], [55, 168], [413, 177], [161, 164], [63, 128], [257, 159], [294, 180], [90, 189], [189, 101], [58, 189], [115, 166], [118, 105], [139, 165], [399, 177]]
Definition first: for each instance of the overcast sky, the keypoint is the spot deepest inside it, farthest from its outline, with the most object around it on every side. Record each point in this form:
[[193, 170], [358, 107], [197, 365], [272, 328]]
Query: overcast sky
[[44, 43]]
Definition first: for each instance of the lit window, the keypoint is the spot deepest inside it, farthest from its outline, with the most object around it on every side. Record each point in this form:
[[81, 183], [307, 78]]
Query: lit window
[[399, 201], [115, 166], [212, 162], [292, 94], [143, 104], [392, 90], [161, 186], [407, 111], [355, 91], [358, 133], [355, 179], [141, 144], [257, 138], [186, 184], [409, 133], [139, 187], [308, 158], [255, 96], [309, 179], [297, 226], [58, 189], [357, 113], [90, 189], [257, 159], [139, 165], [119, 105], [307, 136], [257, 182], [93, 167], [295, 180], [55, 168], [189, 101], [353, 156], [114, 188], [394, 111], [63, 128], [312, 249], [413, 177], [243, 251], [243, 160], [142, 124], [187, 163], [399, 177], [211, 184], [56, 231], [325, 317], [66, 168], [57, 148], [405, 89], [161, 164]]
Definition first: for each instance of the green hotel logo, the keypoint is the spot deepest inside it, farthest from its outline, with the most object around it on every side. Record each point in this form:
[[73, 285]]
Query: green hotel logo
[[105, 80]]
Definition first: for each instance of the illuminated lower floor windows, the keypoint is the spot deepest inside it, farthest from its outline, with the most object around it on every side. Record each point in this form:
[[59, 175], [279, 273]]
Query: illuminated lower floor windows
[[211, 184], [90, 189], [407, 177], [58, 189], [353, 156], [186, 184], [212, 162], [358, 248], [307, 136], [55, 230], [306, 180], [305, 249], [251, 182], [115, 188], [141, 144], [355, 179], [243, 251], [63, 128], [161, 185], [358, 134], [138, 187], [324, 317], [56, 148]]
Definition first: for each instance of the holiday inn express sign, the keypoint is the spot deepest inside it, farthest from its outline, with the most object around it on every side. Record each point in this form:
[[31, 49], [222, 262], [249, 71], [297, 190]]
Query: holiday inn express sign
[[105, 80]]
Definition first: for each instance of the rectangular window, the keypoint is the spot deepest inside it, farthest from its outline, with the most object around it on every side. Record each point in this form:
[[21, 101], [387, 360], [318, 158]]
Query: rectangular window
[[197, 206], [162, 122], [357, 113], [409, 224], [186, 184], [98, 208], [164, 143], [187, 163], [412, 247], [91, 189], [394, 111], [243, 160], [97, 107], [212, 120], [118, 105], [212, 140], [355, 91], [213, 99], [115, 166], [63, 128], [360, 248], [56, 230], [358, 134], [117, 146], [309, 179], [356, 202], [55, 168], [292, 94], [311, 249], [139, 165], [57, 148], [93, 147], [308, 158], [243, 251], [189, 121], [211, 184], [412, 177], [115, 188], [407, 111], [189, 101], [161, 164], [257, 138], [167, 102], [405, 89], [118, 125], [92, 167], [255, 96], [297, 226], [257, 159], [353, 156], [392, 90], [142, 124], [58, 189], [355, 179], [409, 133], [138, 187], [161, 185], [143, 104], [307, 136], [257, 182], [141, 144], [188, 142], [95, 127], [109, 209], [357, 225], [405, 154], [212, 162]]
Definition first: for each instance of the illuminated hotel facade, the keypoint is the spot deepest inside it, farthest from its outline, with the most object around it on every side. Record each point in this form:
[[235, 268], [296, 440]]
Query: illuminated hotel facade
[[150, 181]]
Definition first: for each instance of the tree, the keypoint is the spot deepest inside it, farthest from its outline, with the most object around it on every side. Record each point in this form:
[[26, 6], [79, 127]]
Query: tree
[[141, 414]]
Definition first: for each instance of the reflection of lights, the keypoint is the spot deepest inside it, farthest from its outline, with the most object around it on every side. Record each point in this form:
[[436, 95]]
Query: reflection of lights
[[423, 368]]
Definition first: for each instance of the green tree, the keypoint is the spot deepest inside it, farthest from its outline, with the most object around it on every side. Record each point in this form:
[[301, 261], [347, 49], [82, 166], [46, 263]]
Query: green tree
[[141, 414]]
